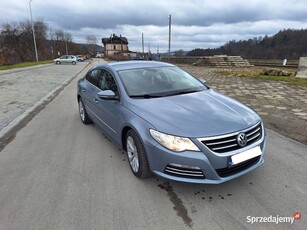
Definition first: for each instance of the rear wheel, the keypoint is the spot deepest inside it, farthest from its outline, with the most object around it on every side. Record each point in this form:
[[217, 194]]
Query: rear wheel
[[137, 156], [83, 114]]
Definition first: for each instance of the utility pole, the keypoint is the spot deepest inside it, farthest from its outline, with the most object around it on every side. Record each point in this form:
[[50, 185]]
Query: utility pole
[[143, 44], [65, 37], [169, 34], [33, 32]]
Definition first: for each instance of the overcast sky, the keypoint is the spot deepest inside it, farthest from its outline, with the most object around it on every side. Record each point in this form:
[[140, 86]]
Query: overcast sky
[[195, 23]]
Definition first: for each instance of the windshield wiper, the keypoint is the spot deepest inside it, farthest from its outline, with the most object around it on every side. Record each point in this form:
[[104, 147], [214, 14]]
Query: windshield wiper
[[166, 94], [183, 92], [146, 96]]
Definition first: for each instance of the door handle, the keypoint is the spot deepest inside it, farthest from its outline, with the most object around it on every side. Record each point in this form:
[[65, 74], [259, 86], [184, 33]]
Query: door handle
[[96, 100], [83, 90]]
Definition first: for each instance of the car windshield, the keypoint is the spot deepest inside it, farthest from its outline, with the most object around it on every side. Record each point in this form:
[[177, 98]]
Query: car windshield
[[159, 82]]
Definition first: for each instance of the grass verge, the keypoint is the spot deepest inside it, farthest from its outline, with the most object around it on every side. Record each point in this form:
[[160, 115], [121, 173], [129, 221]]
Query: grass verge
[[257, 73], [24, 64]]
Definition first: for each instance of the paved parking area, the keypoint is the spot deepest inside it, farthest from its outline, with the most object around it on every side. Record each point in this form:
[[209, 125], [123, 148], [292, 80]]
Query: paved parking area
[[20, 89], [282, 107]]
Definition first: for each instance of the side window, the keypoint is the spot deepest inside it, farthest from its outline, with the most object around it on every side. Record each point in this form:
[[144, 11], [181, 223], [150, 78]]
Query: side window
[[93, 77], [107, 81]]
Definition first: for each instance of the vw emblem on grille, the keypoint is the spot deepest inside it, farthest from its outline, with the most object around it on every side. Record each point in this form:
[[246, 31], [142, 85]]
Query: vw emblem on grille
[[242, 139]]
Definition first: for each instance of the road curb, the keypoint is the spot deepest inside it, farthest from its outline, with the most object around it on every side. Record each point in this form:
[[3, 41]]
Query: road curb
[[8, 133]]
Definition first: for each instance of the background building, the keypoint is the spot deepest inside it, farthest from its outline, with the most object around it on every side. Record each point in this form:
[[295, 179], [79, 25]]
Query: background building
[[115, 45]]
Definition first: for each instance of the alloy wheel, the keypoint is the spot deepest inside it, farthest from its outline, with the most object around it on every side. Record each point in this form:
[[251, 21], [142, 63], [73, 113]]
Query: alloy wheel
[[81, 111], [133, 154]]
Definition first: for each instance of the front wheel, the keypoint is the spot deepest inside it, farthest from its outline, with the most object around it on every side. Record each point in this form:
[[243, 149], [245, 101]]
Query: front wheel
[[83, 114], [58, 62], [137, 156], [73, 63]]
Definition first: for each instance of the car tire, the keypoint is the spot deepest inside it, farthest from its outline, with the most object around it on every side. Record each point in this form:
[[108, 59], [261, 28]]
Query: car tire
[[73, 62], [83, 114], [58, 63], [137, 156]]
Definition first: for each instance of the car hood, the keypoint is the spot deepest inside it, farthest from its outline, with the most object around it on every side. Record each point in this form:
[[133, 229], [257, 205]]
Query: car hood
[[200, 114]]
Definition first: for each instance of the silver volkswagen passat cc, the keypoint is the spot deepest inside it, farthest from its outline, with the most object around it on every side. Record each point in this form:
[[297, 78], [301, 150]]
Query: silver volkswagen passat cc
[[170, 123]]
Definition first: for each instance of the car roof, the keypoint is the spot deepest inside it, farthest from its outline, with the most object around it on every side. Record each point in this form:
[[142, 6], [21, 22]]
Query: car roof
[[125, 65]]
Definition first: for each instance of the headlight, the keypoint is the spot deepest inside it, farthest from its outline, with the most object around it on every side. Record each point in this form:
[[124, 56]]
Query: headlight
[[177, 144]]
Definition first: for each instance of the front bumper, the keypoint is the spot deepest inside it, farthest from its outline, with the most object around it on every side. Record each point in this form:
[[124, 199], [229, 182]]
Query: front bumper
[[204, 167]]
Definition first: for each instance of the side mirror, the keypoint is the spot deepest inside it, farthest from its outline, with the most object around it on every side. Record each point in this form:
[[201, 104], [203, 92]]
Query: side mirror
[[107, 95]]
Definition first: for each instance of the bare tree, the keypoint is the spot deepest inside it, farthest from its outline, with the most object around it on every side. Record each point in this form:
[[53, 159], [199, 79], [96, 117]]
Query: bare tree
[[60, 40], [9, 43], [91, 41], [17, 40]]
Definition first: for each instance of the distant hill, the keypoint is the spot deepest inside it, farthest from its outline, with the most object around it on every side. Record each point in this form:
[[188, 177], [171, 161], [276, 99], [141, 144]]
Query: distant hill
[[290, 44], [77, 48], [97, 48]]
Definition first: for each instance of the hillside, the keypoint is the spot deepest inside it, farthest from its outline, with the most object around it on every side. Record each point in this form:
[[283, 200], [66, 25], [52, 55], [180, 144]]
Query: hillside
[[290, 44]]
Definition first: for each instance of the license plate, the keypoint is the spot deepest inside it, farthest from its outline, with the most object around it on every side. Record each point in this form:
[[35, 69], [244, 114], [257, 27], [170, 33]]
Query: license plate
[[244, 156]]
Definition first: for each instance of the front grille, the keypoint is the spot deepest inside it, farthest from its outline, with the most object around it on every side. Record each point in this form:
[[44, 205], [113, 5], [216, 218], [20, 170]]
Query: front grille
[[184, 172], [224, 172], [229, 143]]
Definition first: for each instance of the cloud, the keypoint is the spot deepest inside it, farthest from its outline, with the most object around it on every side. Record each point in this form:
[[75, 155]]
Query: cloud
[[195, 23]]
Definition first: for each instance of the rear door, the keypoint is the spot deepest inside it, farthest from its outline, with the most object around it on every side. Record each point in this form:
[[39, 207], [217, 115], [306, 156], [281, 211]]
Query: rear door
[[89, 92], [64, 59]]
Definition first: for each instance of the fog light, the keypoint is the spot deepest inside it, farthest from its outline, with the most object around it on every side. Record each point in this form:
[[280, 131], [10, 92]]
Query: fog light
[[184, 166]]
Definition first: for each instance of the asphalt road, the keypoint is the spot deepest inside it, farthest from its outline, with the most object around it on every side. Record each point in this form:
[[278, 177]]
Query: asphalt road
[[60, 174]]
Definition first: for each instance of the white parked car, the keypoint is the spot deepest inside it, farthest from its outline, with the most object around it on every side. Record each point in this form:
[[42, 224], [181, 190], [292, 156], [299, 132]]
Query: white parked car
[[66, 59], [99, 55]]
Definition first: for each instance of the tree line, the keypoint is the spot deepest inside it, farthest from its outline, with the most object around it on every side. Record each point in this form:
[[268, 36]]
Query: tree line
[[17, 44], [290, 44]]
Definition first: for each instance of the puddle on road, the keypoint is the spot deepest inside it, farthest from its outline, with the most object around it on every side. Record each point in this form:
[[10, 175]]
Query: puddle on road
[[178, 204]]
